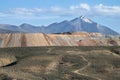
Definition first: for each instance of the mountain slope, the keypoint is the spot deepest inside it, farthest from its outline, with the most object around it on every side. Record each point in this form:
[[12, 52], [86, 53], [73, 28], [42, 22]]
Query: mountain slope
[[81, 23], [29, 28], [6, 28]]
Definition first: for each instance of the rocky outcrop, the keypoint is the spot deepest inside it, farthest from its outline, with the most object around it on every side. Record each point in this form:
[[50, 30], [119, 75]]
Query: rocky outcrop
[[23, 40], [7, 60]]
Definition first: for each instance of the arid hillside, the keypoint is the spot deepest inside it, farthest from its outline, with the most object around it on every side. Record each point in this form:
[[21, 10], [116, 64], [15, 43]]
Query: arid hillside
[[60, 63], [72, 39]]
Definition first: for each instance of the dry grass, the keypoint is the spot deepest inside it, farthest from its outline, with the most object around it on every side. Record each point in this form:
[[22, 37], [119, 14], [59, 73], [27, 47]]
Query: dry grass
[[33, 69], [63, 63]]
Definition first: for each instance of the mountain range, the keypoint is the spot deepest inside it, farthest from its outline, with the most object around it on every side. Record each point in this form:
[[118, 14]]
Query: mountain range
[[79, 24]]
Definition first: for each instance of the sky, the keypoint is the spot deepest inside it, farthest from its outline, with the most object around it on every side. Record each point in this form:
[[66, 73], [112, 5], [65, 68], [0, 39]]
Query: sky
[[45, 12]]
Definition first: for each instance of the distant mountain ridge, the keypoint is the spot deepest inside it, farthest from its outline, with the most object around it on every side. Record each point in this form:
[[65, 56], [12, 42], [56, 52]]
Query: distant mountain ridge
[[81, 23]]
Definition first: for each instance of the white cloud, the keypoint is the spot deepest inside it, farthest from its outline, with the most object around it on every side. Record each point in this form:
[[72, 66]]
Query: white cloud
[[107, 10], [55, 11], [81, 6], [100, 9], [25, 11], [85, 6]]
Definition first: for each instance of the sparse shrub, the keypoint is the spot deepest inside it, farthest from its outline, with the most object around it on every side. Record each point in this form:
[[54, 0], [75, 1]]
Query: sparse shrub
[[5, 77]]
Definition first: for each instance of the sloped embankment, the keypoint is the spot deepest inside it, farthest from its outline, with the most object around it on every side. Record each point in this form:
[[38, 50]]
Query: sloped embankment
[[40, 39]]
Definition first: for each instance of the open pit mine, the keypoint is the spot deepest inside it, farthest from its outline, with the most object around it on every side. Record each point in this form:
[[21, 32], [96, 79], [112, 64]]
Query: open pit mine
[[41, 39]]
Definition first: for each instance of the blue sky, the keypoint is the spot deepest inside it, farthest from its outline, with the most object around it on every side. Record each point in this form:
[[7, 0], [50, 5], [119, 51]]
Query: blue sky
[[44, 12]]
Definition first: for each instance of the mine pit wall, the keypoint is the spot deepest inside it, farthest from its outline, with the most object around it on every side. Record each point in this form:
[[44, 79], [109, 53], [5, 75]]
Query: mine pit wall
[[40, 39], [23, 40], [11, 40], [63, 40]]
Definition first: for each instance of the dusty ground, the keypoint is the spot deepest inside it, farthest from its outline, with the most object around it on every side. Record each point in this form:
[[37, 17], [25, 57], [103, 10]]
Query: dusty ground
[[62, 63]]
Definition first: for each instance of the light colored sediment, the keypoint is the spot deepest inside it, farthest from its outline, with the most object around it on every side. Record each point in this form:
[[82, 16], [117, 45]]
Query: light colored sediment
[[40, 39], [6, 60]]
